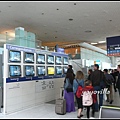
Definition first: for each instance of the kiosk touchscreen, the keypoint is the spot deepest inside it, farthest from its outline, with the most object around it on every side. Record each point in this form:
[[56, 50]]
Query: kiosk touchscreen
[[58, 60], [29, 57], [65, 60], [50, 59], [58, 70], [41, 59], [14, 56], [50, 70], [41, 70], [65, 70], [29, 71], [14, 70]]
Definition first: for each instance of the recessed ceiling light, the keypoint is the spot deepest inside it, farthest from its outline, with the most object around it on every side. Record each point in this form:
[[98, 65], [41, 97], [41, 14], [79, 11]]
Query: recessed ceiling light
[[74, 3], [70, 19], [88, 31], [93, 43]]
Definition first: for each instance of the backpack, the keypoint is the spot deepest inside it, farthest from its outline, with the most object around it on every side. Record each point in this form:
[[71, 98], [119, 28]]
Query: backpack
[[87, 99], [79, 90]]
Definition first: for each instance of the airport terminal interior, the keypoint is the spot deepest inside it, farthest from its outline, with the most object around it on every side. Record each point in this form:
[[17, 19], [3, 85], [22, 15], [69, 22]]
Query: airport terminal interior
[[38, 42]]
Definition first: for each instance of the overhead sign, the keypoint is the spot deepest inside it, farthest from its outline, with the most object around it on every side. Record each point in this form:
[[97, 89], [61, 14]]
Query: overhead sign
[[113, 46]]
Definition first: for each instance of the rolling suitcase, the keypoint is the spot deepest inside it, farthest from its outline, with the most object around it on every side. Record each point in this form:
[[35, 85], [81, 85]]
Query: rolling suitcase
[[60, 105]]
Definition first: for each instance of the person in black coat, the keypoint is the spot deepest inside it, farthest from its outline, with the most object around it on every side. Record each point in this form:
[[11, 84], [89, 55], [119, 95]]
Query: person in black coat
[[114, 74], [89, 73], [70, 70], [118, 80]]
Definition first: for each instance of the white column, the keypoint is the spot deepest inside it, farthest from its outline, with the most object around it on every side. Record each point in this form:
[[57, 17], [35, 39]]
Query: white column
[[113, 61]]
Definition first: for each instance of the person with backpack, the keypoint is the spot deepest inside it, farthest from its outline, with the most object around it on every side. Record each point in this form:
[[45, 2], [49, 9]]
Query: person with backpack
[[98, 81], [89, 97], [78, 83], [68, 92]]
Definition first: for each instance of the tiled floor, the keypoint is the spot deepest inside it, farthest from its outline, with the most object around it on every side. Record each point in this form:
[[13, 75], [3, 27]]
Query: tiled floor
[[48, 111]]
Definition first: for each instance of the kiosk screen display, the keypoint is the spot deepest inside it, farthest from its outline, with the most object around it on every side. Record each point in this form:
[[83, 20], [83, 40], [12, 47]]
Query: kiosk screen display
[[15, 70], [41, 70], [29, 71], [14, 56], [58, 70], [65, 61], [41, 59], [50, 59], [29, 57], [58, 60], [50, 70]]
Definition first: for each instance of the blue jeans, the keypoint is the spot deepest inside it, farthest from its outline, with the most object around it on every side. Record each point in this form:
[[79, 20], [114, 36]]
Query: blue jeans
[[97, 106]]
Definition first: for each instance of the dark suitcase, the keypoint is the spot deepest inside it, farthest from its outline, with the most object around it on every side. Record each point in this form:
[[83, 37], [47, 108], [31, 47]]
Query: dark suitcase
[[60, 105]]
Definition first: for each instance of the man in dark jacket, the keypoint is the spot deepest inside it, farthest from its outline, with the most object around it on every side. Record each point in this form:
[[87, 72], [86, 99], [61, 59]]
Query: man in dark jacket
[[97, 77], [118, 80], [114, 74], [110, 80]]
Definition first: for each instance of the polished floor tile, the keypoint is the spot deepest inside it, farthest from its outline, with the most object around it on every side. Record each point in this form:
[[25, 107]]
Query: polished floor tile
[[48, 111]]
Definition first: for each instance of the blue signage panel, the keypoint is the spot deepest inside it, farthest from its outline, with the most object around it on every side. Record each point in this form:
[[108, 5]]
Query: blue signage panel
[[60, 50], [22, 79], [59, 54], [113, 46], [17, 48]]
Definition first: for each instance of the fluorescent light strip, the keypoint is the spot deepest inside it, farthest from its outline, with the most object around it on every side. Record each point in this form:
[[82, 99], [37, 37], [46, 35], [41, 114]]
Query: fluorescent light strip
[[101, 41], [93, 43]]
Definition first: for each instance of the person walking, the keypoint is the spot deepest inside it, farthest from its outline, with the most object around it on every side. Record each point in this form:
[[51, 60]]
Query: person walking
[[118, 80], [113, 73], [110, 80], [78, 81], [98, 81]]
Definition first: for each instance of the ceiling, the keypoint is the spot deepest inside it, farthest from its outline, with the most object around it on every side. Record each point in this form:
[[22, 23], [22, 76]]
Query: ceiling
[[92, 21]]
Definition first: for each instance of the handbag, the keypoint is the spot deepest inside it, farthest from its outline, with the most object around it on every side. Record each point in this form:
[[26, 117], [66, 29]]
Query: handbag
[[69, 90]]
